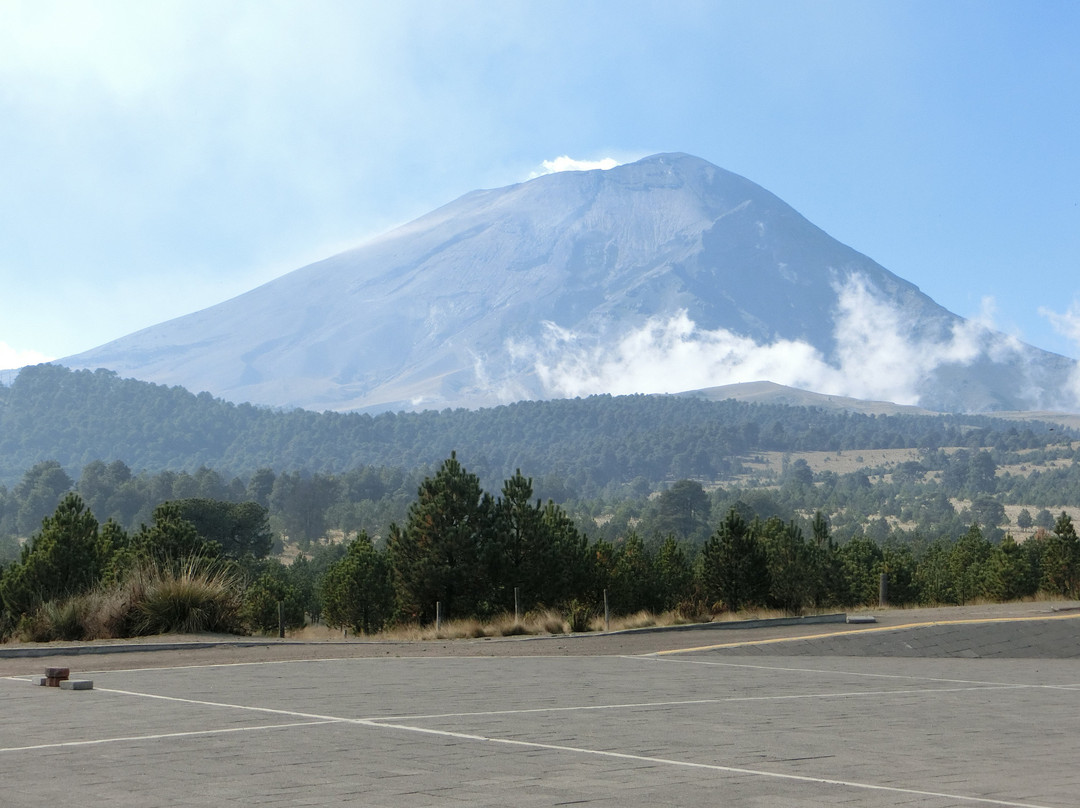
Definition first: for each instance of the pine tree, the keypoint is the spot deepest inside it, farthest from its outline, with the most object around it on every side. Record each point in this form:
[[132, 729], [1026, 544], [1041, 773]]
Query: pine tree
[[357, 592], [1061, 559], [675, 576], [446, 551], [793, 574], [734, 568], [525, 550], [66, 557]]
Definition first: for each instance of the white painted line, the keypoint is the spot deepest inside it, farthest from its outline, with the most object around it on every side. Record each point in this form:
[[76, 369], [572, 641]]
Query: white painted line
[[130, 738], [377, 723], [227, 706], [877, 694], [827, 672], [716, 767]]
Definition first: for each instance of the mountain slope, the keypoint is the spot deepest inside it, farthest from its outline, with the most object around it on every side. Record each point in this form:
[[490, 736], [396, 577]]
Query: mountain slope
[[662, 275]]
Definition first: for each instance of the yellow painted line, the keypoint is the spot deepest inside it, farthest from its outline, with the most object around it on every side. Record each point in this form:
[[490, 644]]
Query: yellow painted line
[[775, 640]]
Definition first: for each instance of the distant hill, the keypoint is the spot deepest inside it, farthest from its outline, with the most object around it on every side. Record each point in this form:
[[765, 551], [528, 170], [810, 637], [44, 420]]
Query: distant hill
[[658, 276], [772, 393], [75, 417]]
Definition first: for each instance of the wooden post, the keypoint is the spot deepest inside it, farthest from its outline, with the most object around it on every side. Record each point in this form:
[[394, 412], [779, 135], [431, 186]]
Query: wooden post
[[517, 610], [607, 614], [438, 616]]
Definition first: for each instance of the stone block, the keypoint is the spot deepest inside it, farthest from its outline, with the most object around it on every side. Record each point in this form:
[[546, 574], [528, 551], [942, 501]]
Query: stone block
[[77, 684]]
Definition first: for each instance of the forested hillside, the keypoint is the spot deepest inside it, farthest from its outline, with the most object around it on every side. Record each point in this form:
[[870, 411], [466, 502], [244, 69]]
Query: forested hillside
[[582, 446], [654, 465]]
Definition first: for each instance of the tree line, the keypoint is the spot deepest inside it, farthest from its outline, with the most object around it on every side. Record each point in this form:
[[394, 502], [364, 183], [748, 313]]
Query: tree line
[[478, 554]]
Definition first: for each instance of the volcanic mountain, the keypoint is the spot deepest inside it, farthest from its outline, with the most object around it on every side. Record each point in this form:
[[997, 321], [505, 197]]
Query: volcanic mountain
[[663, 275]]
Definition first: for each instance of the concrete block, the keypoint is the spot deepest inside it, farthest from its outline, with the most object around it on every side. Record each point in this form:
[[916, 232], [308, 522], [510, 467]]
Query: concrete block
[[77, 684], [58, 673]]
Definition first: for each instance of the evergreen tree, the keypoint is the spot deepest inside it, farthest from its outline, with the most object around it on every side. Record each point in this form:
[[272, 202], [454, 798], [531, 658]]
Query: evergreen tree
[[443, 554], [241, 529], [575, 571], [860, 562], [1009, 573], [38, 494], [66, 557], [794, 575], [734, 565], [674, 574], [632, 585], [683, 510], [934, 574], [171, 540], [967, 565], [526, 557], [1061, 559], [357, 591], [261, 598]]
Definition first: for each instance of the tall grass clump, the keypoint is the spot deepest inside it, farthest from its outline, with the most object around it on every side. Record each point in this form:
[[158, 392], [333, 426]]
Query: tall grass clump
[[54, 620], [193, 596], [186, 597]]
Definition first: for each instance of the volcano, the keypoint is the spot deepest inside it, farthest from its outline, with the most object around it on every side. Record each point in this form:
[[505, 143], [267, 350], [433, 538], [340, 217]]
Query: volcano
[[662, 275]]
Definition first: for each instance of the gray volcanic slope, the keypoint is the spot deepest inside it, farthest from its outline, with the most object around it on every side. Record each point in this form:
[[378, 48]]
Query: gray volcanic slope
[[459, 307]]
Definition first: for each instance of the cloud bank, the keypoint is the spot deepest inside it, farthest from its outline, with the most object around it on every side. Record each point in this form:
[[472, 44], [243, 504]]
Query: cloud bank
[[878, 356]]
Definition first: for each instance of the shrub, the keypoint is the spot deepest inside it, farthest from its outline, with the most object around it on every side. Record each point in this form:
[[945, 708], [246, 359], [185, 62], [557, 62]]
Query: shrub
[[578, 616], [55, 620], [260, 606], [199, 596]]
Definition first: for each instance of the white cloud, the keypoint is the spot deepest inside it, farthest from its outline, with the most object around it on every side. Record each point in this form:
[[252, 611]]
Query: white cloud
[[878, 355], [1068, 325], [566, 163], [12, 358]]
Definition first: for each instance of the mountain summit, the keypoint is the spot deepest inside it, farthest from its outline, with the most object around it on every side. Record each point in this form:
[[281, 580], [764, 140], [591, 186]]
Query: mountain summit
[[662, 275]]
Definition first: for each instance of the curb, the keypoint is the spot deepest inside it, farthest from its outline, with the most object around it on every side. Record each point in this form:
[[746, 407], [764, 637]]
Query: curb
[[809, 620], [131, 648]]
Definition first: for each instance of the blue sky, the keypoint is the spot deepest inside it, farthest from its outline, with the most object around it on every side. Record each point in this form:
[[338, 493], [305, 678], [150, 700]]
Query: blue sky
[[160, 157]]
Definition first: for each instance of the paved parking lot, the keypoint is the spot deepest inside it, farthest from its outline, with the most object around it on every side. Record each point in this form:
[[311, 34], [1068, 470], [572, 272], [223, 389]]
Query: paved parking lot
[[792, 725]]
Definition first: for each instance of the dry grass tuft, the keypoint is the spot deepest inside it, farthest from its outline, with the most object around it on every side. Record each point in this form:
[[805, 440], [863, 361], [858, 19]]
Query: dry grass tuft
[[189, 597]]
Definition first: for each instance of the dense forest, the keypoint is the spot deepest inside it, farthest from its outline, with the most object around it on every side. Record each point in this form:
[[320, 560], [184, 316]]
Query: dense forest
[[663, 502], [126, 447], [587, 446], [463, 552]]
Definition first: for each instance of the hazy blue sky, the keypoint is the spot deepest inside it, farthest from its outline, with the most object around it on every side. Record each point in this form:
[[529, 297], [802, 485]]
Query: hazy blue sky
[[159, 157]]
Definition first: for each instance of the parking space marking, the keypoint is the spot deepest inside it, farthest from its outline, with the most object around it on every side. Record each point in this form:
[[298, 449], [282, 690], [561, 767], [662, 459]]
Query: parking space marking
[[162, 735], [713, 767]]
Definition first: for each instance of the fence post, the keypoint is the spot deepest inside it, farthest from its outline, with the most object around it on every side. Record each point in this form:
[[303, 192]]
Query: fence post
[[607, 614], [438, 616], [517, 610]]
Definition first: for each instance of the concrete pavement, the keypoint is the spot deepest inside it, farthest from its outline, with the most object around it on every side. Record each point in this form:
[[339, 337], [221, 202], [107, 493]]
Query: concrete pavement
[[849, 718]]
